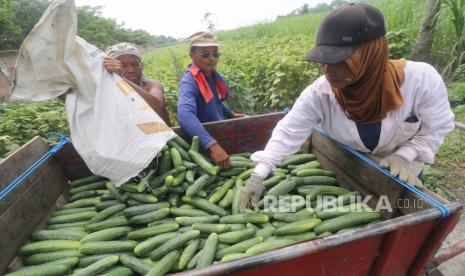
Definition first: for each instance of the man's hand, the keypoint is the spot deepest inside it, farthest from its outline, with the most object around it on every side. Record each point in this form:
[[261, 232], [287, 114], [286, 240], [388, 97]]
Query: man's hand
[[219, 156], [407, 171], [252, 192], [112, 65], [239, 115]]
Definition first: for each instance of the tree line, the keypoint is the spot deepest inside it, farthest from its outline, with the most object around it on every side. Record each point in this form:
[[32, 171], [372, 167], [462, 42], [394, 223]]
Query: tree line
[[18, 17]]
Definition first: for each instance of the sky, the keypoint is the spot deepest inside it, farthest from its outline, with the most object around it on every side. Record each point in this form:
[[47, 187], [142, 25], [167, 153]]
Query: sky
[[181, 18]]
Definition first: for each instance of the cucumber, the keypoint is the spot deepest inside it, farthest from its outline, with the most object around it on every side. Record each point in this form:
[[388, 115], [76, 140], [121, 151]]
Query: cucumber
[[99, 266], [313, 191], [72, 225], [149, 217], [144, 209], [315, 180], [185, 212], [272, 181], [158, 181], [185, 221], [85, 202], [266, 231], [297, 159], [176, 158], [133, 187], [105, 204], [106, 247], [86, 180], [104, 214], [109, 223], [114, 192], [143, 248], [187, 254], [118, 270], [42, 258], [211, 227], [352, 219], [161, 221], [238, 158], [182, 143], [144, 198], [59, 234], [238, 186], [173, 244], [87, 194], [107, 196], [72, 211], [178, 179], [165, 162], [199, 184], [313, 172], [227, 199], [195, 143], [308, 165], [40, 270], [76, 217], [245, 174], [135, 264], [209, 251], [232, 172], [245, 218], [48, 246], [167, 263], [190, 176], [306, 236], [193, 262], [324, 234], [305, 213], [236, 226], [189, 165], [342, 210], [297, 227], [182, 151], [87, 187], [202, 163], [240, 247], [90, 259], [205, 205], [282, 188], [173, 199], [234, 256], [237, 236], [107, 234], [147, 232], [268, 245], [240, 164], [221, 192]]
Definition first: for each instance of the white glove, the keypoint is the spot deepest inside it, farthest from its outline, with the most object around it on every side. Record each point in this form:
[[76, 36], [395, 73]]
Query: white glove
[[406, 170], [252, 192]]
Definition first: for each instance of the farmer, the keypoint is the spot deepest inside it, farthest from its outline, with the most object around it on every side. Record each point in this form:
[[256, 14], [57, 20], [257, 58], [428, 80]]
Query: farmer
[[125, 60], [395, 110], [202, 92]]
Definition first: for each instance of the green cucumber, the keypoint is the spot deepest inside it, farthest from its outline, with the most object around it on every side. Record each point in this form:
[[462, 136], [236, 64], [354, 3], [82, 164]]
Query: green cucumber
[[106, 234], [232, 172], [165, 162], [185, 212], [173, 244], [85, 202], [59, 234], [148, 232], [145, 247], [245, 218], [187, 254], [76, 217], [149, 217], [227, 199], [202, 163], [87, 187], [315, 180], [72, 225], [297, 227], [167, 263], [158, 181], [195, 143], [305, 213], [114, 192], [272, 181], [205, 205], [135, 264], [105, 204], [313, 172], [98, 267], [42, 258], [48, 246], [190, 176], [269, 245], [109, 223], [238, 186], [234, 256], [313, 191], [104, 214], [185, 221], [144, 198], [182, 151], [118, 270], [352, 219], [245, 174], [182, 143], [306, 236], [266, 231], [297, 159], [211, 227], [87, 194], [199, 184], [237, 236], [176, 158], [208, 252], [86, 180], [221, 192], [72, 211], [40, 270], [240, 247], [106, 247], [144, 209]]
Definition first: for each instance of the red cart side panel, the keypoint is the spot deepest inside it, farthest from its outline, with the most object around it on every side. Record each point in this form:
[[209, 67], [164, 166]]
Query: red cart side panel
[[400, 248]]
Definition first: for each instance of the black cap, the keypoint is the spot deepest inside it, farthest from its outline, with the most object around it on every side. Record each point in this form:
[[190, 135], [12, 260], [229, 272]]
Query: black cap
[[344, 30]]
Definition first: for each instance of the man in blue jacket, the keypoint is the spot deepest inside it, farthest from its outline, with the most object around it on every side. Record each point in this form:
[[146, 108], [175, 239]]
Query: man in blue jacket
[[202, 92]]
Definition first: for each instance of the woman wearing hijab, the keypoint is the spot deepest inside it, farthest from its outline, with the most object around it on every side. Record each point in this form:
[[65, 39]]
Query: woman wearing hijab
[[395, 110], [125, 60]]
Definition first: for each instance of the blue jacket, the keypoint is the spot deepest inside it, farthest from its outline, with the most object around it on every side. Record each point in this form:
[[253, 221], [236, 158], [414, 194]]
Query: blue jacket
[[193, 111]]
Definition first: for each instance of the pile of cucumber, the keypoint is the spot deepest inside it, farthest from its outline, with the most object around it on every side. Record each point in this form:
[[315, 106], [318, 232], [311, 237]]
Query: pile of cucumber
[[182, 214]]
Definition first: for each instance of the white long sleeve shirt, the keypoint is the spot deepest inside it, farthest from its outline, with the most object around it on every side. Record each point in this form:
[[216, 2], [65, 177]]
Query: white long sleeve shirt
[[425, 96]]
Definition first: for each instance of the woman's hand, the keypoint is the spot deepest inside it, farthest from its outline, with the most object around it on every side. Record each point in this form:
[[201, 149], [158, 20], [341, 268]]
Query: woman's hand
[[219, 156], [112, 65]]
